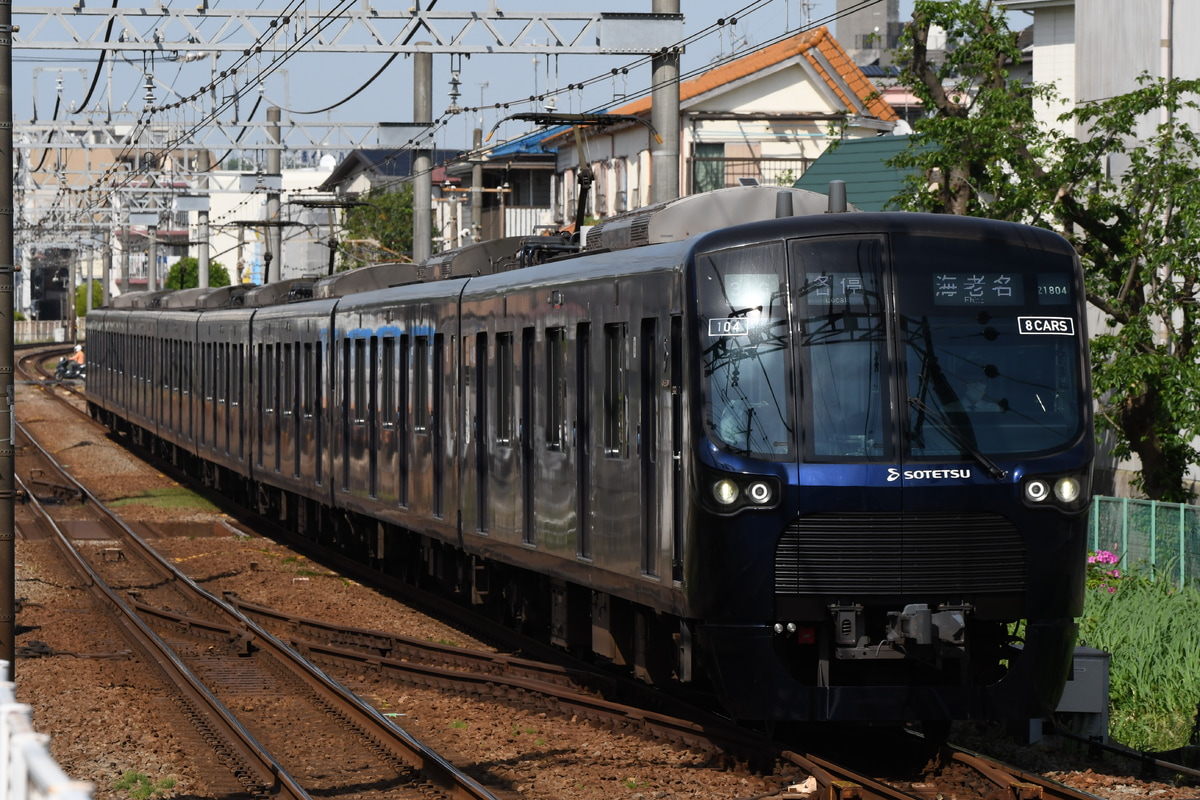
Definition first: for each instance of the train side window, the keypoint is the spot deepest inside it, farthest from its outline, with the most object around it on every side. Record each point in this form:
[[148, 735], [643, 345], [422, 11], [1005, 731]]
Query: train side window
[[614, 422], [388, 383], [308, 386], [556, 387], [287, 381], [268, 364], [186, 382], [504, 388], [421, 384], [235, 391], [359, 402]]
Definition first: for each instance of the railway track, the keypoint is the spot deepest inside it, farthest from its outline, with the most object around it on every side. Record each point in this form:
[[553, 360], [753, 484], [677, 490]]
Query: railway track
[[296, 732], [515, 681]]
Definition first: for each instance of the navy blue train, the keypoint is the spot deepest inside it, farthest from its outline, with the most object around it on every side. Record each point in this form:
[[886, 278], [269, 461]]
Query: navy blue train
[[823, 464]]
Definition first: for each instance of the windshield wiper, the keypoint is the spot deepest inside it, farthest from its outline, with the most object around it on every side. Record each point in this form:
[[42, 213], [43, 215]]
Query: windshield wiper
[[954, 433]]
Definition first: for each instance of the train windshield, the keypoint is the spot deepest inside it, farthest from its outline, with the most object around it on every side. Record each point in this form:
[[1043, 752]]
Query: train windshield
[[843, 337], [990, 346], [987, 355], [746, 350]]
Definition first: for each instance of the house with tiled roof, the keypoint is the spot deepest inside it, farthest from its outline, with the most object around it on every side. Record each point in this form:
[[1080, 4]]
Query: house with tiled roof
[[763, 117]]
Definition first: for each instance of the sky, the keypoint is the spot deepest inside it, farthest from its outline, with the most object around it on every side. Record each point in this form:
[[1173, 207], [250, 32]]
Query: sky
[[309, 82]]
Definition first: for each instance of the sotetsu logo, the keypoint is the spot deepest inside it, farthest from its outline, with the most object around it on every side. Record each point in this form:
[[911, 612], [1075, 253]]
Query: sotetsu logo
[[926, 474]]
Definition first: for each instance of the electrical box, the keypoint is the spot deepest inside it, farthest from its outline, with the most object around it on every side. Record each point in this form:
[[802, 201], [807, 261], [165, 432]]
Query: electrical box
[[1083, 708]]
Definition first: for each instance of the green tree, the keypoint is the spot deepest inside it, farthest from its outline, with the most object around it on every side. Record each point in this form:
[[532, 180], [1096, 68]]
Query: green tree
[[1136, 227], [385, 221], [1137, 230], [189, 268], [987, 146], [81, 297]]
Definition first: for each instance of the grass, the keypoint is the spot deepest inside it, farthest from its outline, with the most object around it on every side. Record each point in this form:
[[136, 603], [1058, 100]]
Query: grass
[[1151, 628], [170, 497], [139, 786]]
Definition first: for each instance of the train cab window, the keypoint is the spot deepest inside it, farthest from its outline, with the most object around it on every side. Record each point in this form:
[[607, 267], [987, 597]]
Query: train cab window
[[991, 350], [745, 350], [843, 347], [556, 387], [614, 422], [504, 388]]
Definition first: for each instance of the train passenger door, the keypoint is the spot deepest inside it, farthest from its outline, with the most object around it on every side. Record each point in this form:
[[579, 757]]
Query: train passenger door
[[346, 411], [525, 432], [441, 365], [478, 420], [678, 495], [373, 417], [582, 439], [647, 443]]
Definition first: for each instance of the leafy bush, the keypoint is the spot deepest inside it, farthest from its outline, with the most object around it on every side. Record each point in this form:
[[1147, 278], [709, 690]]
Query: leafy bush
[[1151, 628]]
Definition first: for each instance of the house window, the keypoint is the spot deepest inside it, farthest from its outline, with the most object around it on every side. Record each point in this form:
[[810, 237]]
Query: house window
[[708, 166]]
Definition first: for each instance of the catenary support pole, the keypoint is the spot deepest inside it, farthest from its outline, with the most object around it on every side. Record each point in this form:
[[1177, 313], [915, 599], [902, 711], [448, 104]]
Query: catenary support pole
[[202, 167], [664, 116], [274, 231], [422, 169], [7, 479]]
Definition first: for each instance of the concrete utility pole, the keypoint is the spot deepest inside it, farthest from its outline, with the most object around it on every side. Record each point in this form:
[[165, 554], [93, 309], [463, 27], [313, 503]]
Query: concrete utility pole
[[152, 245], [7, 479], [106, 269], [274, 231], [202, 167], [477, 186], [664, 116], [123, 281], [87, 301], [422, 168]]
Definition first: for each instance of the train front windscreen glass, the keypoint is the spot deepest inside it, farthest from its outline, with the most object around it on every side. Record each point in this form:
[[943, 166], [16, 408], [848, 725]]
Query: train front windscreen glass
[[987, 355], [991, 346]]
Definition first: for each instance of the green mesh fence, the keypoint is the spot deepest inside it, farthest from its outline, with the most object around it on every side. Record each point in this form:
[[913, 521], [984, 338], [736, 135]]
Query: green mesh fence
[[1163, 535]]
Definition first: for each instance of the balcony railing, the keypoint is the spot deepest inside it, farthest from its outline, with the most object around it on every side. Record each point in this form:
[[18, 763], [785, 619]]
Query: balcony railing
[[706, 174]]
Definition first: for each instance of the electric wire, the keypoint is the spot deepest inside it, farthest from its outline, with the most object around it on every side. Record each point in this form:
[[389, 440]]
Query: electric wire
[[327, 19]]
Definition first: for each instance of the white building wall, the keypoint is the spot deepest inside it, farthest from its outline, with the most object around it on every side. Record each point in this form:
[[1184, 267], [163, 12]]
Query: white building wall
[[1054, 64], [1118, 40]]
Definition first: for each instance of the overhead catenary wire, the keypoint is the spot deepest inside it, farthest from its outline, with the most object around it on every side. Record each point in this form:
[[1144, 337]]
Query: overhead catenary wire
[[100, 193]]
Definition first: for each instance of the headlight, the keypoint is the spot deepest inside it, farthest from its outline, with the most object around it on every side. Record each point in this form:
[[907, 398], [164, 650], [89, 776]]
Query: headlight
[[725, 492], [759, 492], [1066, 489], [1036, 491]]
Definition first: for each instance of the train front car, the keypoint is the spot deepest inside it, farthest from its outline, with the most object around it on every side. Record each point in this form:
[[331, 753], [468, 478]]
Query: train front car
[[893, 469]]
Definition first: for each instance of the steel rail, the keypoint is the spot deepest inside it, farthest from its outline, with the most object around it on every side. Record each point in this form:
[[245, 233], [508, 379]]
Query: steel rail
[[405, 747], [248, 756]]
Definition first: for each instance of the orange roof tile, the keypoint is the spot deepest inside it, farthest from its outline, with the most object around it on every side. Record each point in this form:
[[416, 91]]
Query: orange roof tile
[[806, 44]]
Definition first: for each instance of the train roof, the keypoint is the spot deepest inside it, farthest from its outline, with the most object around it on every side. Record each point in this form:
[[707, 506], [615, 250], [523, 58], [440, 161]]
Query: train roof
[[692, 214], [182, 298], [292, 290], [482, 258], [143, 299]]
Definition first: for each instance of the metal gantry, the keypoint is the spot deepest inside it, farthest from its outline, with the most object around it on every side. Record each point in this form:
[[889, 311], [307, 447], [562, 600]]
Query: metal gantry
[[77, 191]]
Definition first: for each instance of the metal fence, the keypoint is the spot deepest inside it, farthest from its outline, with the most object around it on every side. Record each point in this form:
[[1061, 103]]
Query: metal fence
[[1163, 535], [715, 173], [27, 770]]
